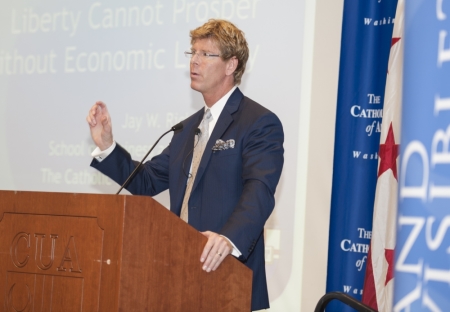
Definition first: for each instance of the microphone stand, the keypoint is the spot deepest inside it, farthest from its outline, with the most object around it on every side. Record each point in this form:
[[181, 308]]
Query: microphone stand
[[178, 126]]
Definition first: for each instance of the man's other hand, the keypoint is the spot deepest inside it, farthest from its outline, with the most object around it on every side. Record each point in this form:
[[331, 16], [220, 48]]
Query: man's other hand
[[216, 249]]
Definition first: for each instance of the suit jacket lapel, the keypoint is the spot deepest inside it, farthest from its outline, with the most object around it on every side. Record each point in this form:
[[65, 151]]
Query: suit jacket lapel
[[224, 121]]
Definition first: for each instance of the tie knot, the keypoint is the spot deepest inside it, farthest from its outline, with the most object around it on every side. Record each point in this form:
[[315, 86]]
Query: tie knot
[[207, 114]]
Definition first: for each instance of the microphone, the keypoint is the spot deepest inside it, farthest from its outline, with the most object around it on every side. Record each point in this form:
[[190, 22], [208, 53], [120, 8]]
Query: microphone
[[199, 133], [177, 127]]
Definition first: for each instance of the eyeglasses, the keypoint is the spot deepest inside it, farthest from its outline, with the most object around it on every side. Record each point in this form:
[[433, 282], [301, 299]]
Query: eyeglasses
[[201, 55]]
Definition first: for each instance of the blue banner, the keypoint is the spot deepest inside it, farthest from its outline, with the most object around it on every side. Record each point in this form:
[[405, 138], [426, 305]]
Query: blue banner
[[366, 39], [422, 262]]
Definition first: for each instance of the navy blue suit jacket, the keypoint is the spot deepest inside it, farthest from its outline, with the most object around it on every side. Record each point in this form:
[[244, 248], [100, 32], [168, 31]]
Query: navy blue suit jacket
[[233, 191]]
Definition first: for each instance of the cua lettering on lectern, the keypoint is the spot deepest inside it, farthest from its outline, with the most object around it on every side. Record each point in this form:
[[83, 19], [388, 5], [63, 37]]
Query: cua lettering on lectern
[[46, 246]]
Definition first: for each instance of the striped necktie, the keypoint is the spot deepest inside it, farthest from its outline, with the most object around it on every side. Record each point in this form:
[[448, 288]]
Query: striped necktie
[[199, 147]]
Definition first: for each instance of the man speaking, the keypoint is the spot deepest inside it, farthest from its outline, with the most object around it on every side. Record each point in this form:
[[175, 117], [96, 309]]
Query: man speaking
[[222, 167]]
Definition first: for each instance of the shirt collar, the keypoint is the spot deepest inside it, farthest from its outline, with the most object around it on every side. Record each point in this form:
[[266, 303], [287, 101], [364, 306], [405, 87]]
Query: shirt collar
[[217, 108]]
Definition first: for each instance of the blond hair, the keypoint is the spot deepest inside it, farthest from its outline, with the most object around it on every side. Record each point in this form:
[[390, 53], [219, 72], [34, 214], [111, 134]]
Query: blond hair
[[231, 41]]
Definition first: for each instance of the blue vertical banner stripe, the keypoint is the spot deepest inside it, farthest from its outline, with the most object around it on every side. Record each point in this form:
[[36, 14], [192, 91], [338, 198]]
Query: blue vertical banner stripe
[[366, 39], [422, 253]]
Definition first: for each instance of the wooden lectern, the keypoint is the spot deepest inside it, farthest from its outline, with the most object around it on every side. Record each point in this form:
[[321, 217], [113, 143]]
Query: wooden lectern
[[86, 252]]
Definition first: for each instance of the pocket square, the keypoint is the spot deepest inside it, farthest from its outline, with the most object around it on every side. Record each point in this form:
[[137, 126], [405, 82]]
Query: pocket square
[[222, 145]]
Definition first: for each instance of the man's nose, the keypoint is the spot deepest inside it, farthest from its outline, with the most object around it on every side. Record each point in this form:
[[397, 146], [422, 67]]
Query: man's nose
[[195, 59]]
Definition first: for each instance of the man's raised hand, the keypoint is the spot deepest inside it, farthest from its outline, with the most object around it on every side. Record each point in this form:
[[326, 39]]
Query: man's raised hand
[[100, 125]]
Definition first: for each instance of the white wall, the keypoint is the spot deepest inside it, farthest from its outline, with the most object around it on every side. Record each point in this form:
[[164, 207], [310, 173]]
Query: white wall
[[320, 69]]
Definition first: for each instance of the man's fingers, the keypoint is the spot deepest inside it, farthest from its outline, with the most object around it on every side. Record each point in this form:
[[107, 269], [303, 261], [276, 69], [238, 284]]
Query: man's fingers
[[91, 116], [211, 260], [216, 249], [105, 121], [89, 120], [95, 110], [223, 251], [106, 125], [218, 258], [100, 123], [209, 244]]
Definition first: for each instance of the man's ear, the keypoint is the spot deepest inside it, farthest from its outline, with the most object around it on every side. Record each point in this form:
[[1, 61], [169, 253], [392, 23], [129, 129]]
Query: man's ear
[[232, 64]]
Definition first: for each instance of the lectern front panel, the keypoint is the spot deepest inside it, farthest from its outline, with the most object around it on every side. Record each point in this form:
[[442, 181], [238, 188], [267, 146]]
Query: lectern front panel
[[50, 263]]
